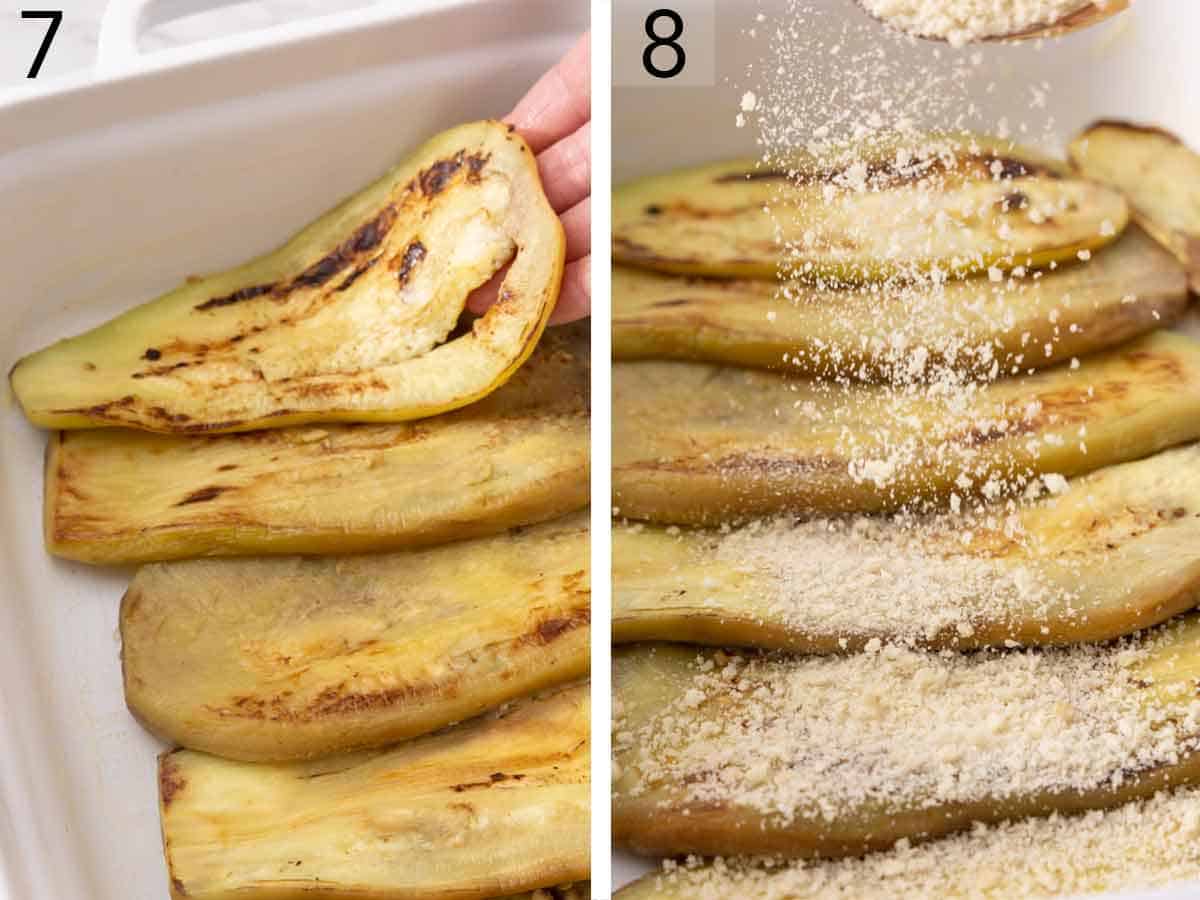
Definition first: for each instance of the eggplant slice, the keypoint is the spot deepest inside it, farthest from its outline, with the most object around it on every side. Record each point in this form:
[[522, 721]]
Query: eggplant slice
[[493, 807], [902, 332], [518, 457], [352, 320], [1118, 551], [293, 658], [1159, 176], [698, 444], [720, 753], [1142, 845], [933, 205]]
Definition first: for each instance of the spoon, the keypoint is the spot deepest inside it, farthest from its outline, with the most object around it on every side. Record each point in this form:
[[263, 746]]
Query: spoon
[[1085, 16]]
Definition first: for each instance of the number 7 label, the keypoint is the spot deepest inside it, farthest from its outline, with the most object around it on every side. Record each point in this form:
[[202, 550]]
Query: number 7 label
[[54, 16]]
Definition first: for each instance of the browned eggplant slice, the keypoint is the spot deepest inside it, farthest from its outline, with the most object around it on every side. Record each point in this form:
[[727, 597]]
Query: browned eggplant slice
[[352, 320], [720, 753], [902, 332], [698, 444], [518, 457], [906, 208], [1110, 553], [294, 658], [496, 806]]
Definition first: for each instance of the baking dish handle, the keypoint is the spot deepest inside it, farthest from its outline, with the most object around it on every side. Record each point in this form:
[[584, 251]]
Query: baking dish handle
[[124, 20]]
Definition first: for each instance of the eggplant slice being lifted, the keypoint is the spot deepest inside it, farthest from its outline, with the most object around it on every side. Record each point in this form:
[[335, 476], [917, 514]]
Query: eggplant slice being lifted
[[517, 457], [493, 807], [352, 320]]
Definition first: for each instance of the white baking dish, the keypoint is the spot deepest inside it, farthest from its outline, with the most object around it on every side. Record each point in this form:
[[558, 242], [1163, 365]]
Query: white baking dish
[[111, 193], [1141, 66]]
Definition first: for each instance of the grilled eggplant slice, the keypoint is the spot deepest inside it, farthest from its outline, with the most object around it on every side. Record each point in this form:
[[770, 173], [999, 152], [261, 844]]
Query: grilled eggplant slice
[[495, 806], [351, 320], [518, 457], [731, 754], [1148, 844], [292, 658], [1117, 552], [943, 204], [1158, 175], [698, 444], [877, 333]]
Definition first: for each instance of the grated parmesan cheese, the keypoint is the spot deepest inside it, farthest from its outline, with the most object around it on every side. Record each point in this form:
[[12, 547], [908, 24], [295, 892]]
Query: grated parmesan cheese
[[910, 578], [900, 729]]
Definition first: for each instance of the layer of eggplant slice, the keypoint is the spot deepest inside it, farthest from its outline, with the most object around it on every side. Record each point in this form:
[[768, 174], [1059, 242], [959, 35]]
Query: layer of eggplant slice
[[699, 444], [353, 319], [493, 807], [293, 658], [1117, 551], [518, 457], [1136, 847], [1159, 176], [898, 208], [698, 790], [879, 332]]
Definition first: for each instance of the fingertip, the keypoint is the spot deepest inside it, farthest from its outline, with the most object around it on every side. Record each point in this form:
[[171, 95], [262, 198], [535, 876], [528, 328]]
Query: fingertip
[[559, 102], [481, 299], [565, 168]]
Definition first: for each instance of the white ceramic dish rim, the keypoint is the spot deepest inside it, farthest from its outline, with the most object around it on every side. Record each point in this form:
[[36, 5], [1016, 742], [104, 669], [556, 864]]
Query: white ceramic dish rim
[[118, 57]]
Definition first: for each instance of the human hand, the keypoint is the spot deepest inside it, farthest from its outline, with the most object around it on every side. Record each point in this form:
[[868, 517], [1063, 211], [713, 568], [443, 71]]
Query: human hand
[[554, 118]]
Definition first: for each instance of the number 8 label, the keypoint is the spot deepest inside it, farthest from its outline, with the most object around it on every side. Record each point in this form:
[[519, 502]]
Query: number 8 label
[[666, 40]]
